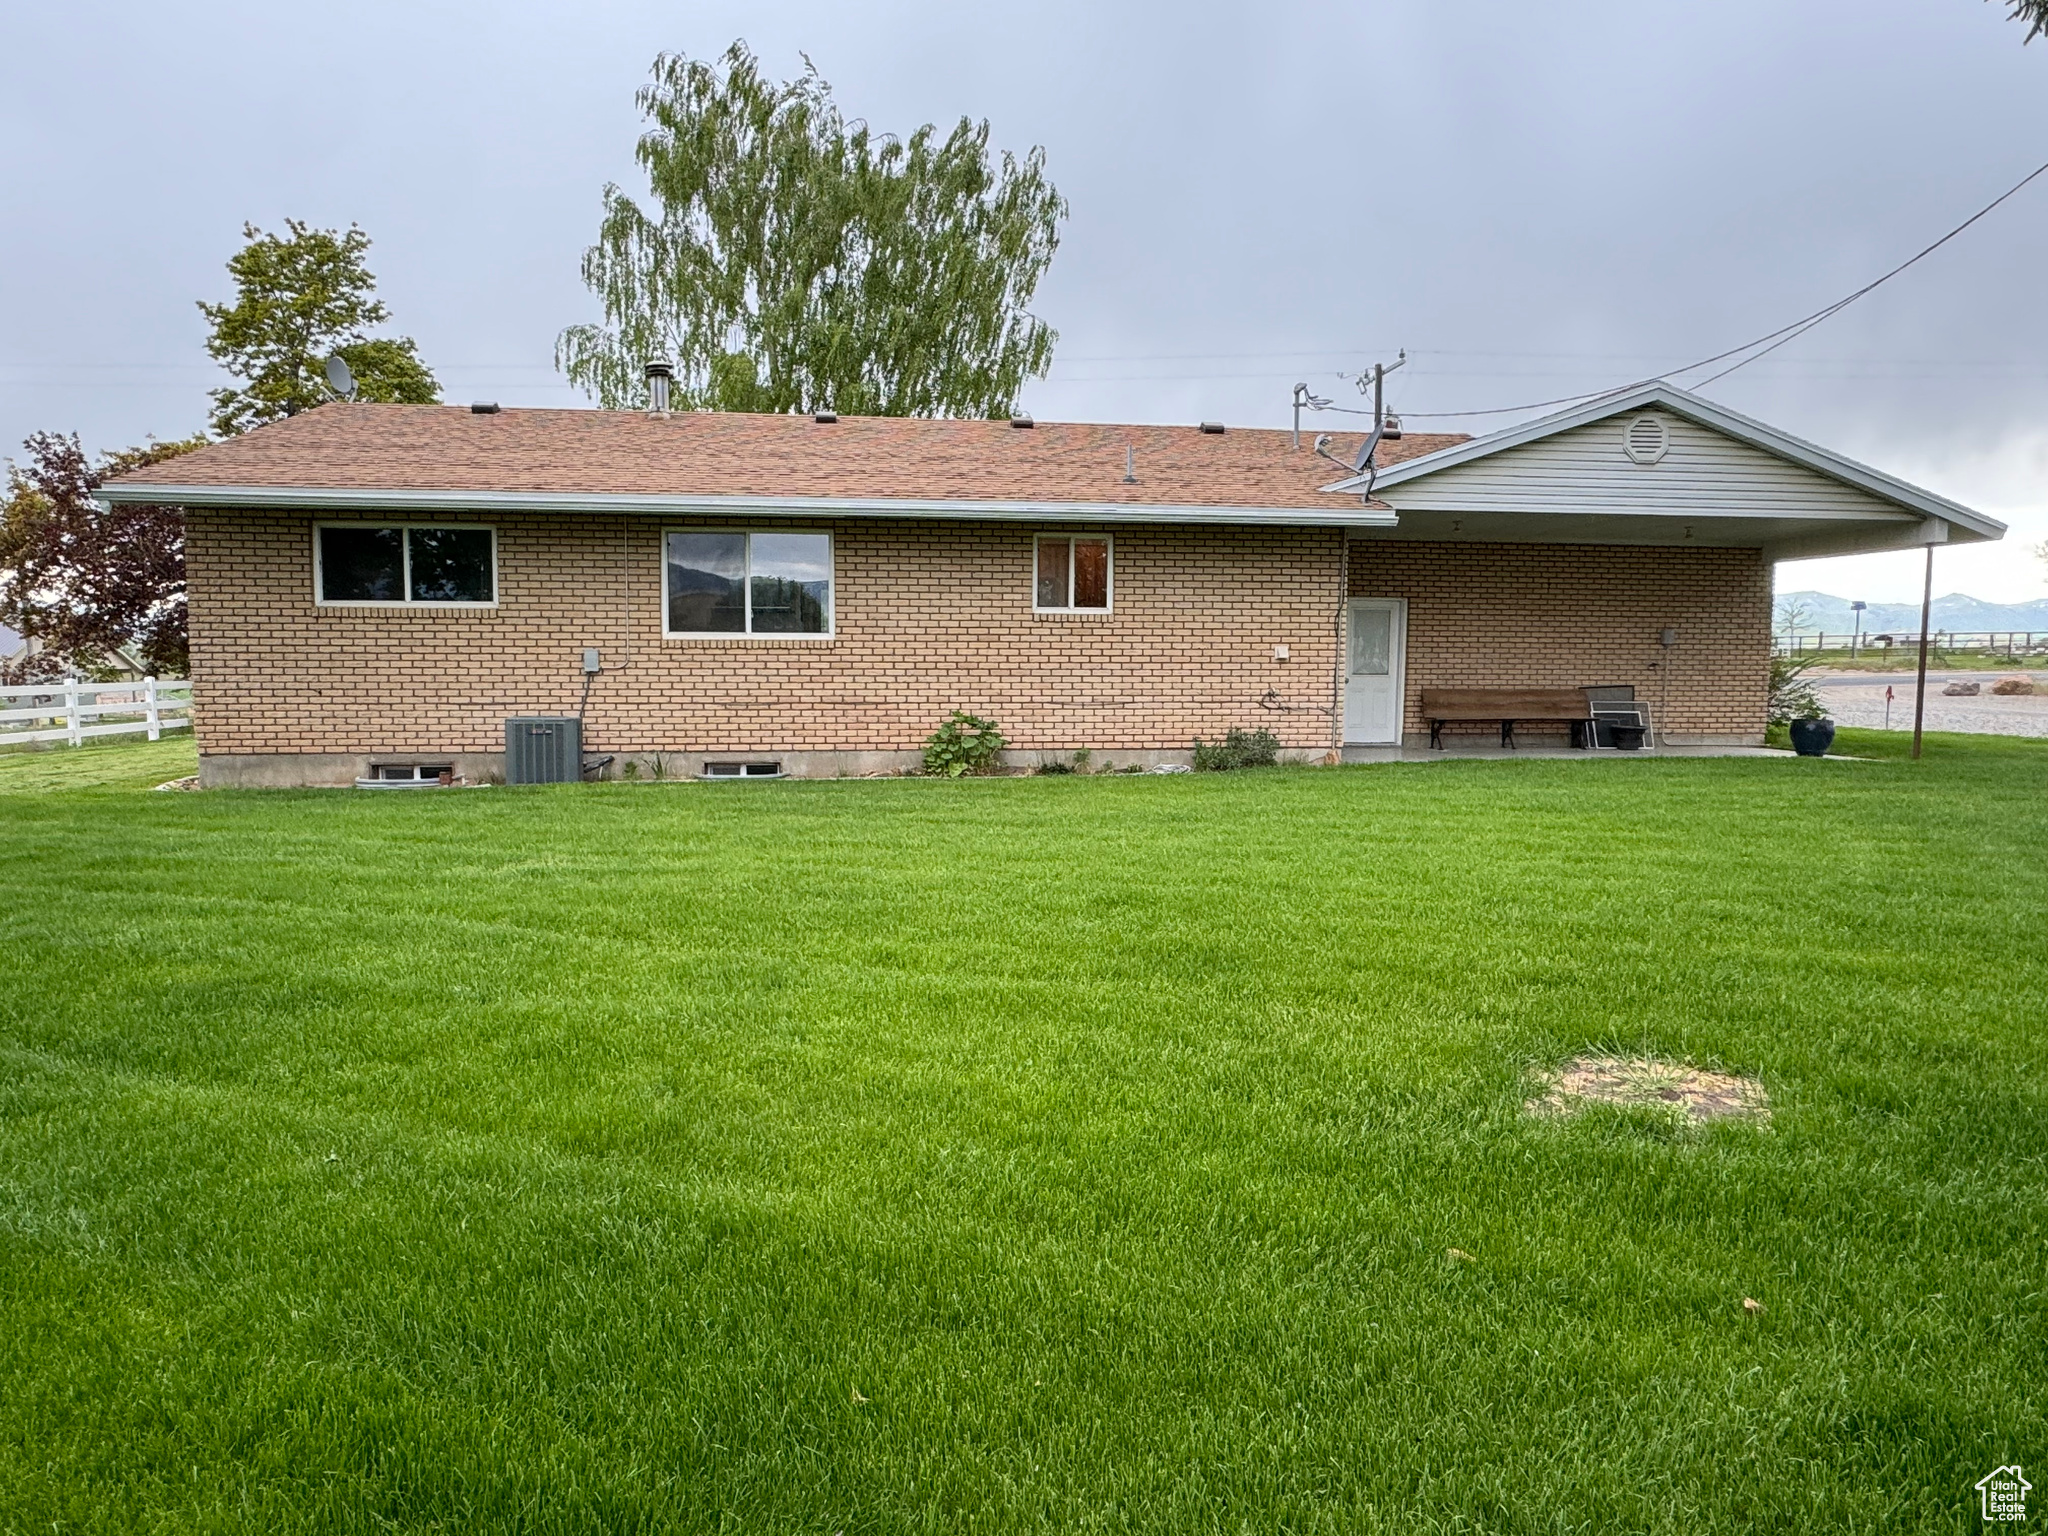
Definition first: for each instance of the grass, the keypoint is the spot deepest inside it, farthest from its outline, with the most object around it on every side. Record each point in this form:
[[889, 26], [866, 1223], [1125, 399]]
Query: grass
[[1036, 1154], [112, 762]]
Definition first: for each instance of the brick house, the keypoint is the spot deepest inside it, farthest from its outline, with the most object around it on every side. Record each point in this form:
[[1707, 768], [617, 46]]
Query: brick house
[[374, 585]]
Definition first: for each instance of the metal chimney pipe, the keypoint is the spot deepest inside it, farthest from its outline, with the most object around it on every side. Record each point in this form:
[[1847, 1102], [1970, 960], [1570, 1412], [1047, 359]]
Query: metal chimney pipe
[[658, 375]]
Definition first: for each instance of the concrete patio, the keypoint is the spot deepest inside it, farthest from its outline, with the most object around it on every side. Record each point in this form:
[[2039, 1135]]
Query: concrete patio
[[1462, 752]]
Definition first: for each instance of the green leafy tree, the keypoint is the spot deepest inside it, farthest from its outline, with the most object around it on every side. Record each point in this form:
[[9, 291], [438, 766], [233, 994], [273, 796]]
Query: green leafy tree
[[797, 262], [299, 300]]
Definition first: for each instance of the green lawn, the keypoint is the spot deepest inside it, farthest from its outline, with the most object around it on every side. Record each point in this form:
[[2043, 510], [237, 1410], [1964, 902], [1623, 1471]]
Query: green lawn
[[1044, 1154], [110, 763]]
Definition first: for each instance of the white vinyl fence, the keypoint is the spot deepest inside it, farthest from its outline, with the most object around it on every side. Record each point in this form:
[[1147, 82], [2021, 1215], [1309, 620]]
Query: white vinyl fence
[[72, 711]]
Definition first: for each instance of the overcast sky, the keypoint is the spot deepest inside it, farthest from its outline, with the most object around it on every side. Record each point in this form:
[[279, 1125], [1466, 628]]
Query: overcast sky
[[1532, 200]]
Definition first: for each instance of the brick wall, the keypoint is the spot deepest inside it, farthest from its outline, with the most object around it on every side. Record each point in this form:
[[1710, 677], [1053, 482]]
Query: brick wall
[[1566, 615], [933, 616]]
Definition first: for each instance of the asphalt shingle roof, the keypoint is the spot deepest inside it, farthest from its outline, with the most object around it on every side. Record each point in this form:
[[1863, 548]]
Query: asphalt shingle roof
[[345, 446]]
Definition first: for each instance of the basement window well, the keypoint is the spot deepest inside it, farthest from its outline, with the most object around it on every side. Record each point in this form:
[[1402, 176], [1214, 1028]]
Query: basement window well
[[743, 770], [357, 565], [405, 775]]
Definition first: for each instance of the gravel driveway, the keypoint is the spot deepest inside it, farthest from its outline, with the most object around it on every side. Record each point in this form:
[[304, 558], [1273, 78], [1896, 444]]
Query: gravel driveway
[[1857, 698]]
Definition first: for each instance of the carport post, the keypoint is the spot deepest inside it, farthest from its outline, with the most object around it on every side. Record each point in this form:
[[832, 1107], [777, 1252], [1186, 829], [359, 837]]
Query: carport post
[[1920, 691]]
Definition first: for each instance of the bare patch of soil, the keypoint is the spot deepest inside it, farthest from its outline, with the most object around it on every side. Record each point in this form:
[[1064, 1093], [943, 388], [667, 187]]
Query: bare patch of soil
[[1692, 1093]]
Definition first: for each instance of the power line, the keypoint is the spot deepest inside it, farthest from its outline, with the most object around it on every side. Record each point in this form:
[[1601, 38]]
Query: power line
[[1777, 338], [1801, 327]]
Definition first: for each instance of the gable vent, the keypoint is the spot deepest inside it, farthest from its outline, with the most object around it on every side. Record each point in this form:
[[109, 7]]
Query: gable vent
[[1646, 439]]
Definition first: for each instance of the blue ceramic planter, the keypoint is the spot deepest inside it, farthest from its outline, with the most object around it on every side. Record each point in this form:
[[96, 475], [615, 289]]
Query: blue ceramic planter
[[1812, 738]]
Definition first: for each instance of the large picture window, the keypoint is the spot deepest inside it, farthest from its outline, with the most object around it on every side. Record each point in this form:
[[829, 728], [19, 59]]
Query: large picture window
[[1073, 575], [356, 563], [722, 583]]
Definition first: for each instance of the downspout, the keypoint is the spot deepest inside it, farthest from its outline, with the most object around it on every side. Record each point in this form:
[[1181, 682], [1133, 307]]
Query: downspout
[[1337, 650]]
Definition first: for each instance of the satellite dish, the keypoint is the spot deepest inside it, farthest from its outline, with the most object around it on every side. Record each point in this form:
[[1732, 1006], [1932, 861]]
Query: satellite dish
[[339, 379]]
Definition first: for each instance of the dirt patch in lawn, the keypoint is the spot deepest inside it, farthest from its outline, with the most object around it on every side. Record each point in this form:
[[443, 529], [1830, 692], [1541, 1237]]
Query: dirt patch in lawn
[[1690, 1093]]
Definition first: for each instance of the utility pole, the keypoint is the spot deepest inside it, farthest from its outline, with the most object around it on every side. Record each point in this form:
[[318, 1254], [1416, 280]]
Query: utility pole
[[1379, 390], [1920, 690], [1856, 639]]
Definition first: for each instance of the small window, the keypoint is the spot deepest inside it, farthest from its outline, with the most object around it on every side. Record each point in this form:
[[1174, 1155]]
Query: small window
[[359, 564], [1073, 575], [722, 583], [743, 770]]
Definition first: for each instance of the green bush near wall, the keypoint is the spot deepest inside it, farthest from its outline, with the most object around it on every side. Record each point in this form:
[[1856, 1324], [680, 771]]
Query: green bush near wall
[[1237, 749]]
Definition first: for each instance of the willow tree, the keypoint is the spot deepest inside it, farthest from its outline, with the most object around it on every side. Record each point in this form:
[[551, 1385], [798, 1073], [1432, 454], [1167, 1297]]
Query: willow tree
[[793, 261], [2034, 13]]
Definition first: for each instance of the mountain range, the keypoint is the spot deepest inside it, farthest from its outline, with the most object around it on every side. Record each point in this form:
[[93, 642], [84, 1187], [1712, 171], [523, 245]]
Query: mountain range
[[1821, 613]]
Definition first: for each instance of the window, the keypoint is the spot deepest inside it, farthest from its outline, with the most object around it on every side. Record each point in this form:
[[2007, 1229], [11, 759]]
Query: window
[[355, 563], [723, 583], [1073, 575]]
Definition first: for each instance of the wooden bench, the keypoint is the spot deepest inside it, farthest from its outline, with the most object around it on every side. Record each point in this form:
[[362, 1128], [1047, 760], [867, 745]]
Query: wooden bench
[[1505, 707]]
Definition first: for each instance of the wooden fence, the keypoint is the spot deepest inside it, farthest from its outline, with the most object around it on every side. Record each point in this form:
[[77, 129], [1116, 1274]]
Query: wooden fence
[[152, 706], [2009, 642]]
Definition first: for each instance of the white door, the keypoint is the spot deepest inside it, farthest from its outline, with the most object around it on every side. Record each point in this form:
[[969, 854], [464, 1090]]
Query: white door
[[1376, 645]]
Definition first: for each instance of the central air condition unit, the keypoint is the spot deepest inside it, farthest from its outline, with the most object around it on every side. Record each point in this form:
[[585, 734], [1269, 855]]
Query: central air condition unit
[[544, 749]]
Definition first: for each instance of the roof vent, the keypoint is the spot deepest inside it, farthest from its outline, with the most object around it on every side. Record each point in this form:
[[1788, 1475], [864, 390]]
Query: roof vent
[[1213, 428], [658, 375], [1646, 439], [484, 408], [1021, 422], [824, 418]]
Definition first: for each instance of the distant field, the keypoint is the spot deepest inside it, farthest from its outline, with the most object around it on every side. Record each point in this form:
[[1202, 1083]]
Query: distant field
[[1907, 659], [1039, 1154]]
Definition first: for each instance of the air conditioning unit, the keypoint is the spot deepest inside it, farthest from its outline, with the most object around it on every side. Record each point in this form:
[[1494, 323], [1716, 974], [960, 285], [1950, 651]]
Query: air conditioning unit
[[544, 749]]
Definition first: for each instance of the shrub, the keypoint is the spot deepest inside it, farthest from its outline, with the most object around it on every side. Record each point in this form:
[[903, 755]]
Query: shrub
[[1237, 749], [964, 744], [1792, 696], [1054, 765]]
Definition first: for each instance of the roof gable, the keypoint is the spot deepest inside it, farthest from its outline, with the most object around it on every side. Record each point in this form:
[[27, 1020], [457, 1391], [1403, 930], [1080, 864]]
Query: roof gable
[[1719, 463]]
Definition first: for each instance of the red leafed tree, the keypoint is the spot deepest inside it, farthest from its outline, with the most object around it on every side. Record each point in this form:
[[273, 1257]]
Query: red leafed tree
[[87, 581]]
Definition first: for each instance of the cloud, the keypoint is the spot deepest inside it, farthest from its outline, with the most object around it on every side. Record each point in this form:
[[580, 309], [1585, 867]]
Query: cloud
[[1533, 201]]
